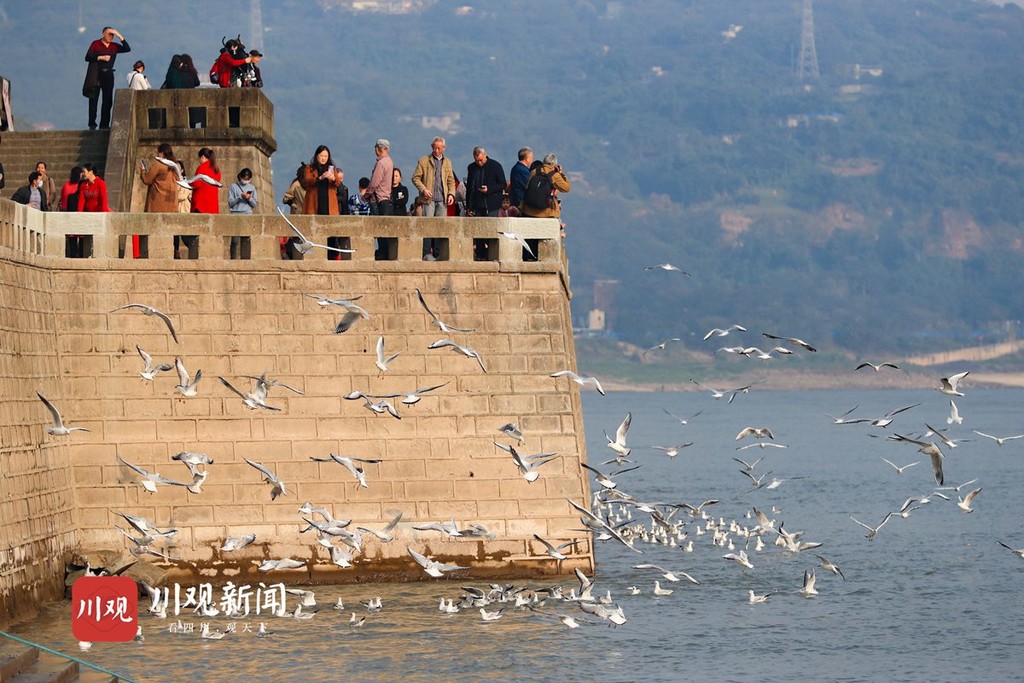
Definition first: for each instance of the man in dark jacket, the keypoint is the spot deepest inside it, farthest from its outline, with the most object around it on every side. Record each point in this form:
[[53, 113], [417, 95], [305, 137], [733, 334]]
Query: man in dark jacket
[[99, 78], [485, 181], [32, 194]]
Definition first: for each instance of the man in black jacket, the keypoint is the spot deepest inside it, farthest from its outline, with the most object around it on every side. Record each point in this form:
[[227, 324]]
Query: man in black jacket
[[485, 181], [32, 194]]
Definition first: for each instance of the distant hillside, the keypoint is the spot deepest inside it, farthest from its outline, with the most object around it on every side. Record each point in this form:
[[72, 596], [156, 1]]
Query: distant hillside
[[877, 209]]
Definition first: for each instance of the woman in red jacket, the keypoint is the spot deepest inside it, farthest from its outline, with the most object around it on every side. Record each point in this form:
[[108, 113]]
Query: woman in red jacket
[[205, 197], [92, 191]]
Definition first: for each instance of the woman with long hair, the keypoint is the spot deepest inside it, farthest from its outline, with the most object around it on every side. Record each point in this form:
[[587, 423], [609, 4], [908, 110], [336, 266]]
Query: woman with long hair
[[161, 189], [69, 193], [189, 77], [320, 179], [172, 79], [205, 194]]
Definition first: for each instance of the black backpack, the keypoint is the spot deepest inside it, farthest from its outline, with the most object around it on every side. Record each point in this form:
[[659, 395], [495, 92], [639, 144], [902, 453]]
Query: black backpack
[[538, 191]]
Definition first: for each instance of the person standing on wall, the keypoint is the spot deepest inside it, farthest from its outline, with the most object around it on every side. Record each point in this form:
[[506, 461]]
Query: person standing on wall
[[49, 187], [161, 190], [99, 77], [485, 182], [320, 179], [205, 194], [435, 180], [137, 78], [92, 191], [33, 194], [379, 191]]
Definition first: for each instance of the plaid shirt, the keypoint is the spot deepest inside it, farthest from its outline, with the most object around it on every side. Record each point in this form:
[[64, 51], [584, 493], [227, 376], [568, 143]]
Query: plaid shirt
[[357, 204]]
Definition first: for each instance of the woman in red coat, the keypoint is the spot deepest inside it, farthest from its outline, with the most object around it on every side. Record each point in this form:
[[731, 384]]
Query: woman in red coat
[[92, 191], [205, 197]]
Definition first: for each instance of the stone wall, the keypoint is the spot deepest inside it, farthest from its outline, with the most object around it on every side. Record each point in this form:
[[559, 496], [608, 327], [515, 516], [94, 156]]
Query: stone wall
[[246, 317]]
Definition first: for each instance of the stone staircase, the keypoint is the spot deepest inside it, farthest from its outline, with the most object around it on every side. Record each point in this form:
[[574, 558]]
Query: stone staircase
[[22, 664], [61, 150]]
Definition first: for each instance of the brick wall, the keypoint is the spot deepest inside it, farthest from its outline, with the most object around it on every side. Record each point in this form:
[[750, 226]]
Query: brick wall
[[246, 317]]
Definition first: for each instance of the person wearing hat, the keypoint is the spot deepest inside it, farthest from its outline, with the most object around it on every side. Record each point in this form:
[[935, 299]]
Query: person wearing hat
[[379, 191], [251, 76]]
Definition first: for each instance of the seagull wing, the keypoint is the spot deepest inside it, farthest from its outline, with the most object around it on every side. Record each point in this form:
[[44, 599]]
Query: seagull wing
[[620, 433], [57, 422], [270, 475], [167, 321]]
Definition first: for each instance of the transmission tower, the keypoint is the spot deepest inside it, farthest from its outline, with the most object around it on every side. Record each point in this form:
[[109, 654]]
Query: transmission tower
[[807, 68]]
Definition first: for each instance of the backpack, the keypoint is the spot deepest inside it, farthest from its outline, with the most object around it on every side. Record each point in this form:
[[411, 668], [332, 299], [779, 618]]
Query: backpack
[[538, 191], [215, 74]]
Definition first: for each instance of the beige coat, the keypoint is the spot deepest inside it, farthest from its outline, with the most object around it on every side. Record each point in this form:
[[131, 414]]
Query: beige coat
[[161, 190], [559, 183], [423, 177]]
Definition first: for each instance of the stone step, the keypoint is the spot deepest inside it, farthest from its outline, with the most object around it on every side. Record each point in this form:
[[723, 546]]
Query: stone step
[[15, 658], [61, 150], [49, 669]]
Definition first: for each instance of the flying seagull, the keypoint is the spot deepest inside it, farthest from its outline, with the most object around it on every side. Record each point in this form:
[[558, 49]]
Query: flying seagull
[[667, 267], [433, 567], [186, 386], [619, 444], [255, 399], [383, 361], [719, 332], [349, 464], [949, 385], [516, 237], [277, 486], [1000, 440], [512, 431], [458, 348], [445, 328], [556, 551], [792, 340], [877, 366], [582, 381], [527, 464], [57, 428], [149, 310], [929, 449], [305, 246], [150, 370]]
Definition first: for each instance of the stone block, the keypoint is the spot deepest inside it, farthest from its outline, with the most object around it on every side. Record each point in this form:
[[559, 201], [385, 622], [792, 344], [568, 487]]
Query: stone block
[[146, 572]]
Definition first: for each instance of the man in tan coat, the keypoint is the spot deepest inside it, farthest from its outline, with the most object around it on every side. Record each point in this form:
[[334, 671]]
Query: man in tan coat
[[435, 180], [559, 183]]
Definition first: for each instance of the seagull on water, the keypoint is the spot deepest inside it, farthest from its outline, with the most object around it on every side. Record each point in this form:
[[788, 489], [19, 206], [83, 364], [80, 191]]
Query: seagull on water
[[755, 599], [582, 381], [445, 328], [433, 567], [150, 370], [1000, 440], [458, 348], [276, 485], [950, 385], [740, 559], [149, 310], [659, 591], [58, 428], [808, 590]]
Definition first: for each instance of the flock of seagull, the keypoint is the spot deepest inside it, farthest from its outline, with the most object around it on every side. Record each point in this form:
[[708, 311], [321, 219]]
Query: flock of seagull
[[612, 516]]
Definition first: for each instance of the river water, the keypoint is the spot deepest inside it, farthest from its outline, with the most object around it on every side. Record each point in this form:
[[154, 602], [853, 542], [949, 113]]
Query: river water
[[932, 597]]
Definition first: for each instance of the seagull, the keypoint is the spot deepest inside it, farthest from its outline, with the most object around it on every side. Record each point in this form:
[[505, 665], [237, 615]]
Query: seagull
[[277, 486], [488, 616], [758, 481], [385, 535], [276, 565], [749, 466], [1019, 553], [458, 348], [946, 441], [237, 543], [762, 445], [841, 420], [965, 503], [791, 340], [808, 590], [1000, 440], [682, 420], [143, 526], [756, 432], [873, 531], [57, 428], [383, 361], [954, 414], [740, 559], [264, 384], [605, 480], [350, 465], [659, 347], [149, 372], [192, 460], [149, 310], [304, 246], [380, 407], [830, 566], [512, 431], [448, 528], [669, 576], [556, 551], [619, 444], [659, 591], [149, 479], [433, 567], [582, 381], [756, 599], [899, 470], [949, 385], [715, 393], [516, 237], [253, 400], [886, 419], [667, 267], [672, 451], [527, 464], [356, 622], [189, 388], [929, 449], [188, 183], [877, 366], [445, 328], [719, 332]]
